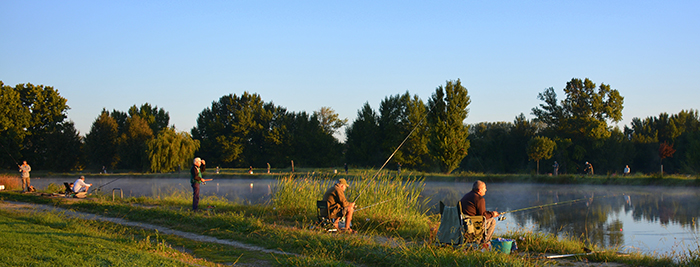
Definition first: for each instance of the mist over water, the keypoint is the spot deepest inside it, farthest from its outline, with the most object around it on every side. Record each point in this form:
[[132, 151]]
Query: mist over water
[[651, 220]]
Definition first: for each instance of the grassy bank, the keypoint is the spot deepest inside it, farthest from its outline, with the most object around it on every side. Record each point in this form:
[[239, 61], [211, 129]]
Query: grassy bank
[[357, 174], [50, 239], [404, 237]]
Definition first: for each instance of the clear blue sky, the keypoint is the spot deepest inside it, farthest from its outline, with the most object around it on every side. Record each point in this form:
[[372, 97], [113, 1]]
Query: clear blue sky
[[183, 55]]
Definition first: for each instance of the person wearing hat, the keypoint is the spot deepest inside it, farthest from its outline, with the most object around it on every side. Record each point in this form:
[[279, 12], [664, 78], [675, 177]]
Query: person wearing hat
[[196, 179], [338, 205]]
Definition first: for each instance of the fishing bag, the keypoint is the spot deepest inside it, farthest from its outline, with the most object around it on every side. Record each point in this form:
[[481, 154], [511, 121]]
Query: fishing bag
[[450, 231]]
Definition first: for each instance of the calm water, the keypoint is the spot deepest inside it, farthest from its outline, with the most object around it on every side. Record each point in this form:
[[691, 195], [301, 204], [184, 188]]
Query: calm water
[[648, 219]]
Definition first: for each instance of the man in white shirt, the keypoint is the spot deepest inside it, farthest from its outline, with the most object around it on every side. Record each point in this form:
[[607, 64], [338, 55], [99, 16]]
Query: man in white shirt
[[80, 185]]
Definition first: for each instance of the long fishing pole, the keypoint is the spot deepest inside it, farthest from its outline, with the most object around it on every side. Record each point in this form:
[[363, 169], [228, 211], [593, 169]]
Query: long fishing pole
[[392, 154], [8, 152], [551, 204], [100, 187], [366, 207]]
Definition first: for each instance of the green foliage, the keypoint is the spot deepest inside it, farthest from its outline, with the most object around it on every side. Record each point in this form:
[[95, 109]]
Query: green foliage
[[539, 148], [581, 117], [101, 142], [245, 131], [33, 127], [449, 142], [133, 144], [171, 150], [363, 146], [329, 120]]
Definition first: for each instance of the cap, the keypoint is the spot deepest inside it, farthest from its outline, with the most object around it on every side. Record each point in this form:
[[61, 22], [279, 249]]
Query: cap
[[342, 181]]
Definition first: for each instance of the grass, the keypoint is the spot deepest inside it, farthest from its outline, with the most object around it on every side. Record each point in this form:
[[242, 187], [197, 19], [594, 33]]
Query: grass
[[386, 204], [76, 242], [395, 234], [10, 182]]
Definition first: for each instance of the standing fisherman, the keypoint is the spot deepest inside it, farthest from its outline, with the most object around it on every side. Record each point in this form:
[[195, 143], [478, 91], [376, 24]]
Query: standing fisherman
[[25, 169], [196, 179]]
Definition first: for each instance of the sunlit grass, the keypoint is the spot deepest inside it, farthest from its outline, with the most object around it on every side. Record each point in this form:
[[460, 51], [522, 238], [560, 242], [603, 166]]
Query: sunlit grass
[[285, 227], [393, 204], [10, 182]]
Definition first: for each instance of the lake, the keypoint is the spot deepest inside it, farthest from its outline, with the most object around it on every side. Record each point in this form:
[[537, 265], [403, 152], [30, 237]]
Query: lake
[[652, 220]]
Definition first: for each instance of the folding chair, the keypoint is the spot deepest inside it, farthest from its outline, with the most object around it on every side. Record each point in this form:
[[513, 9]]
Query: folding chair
[[457, 228], [474, 231], [69, 190], [324, 219]]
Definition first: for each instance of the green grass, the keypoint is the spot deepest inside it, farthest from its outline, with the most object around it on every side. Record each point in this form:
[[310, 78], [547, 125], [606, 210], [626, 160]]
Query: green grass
[[49, 239], [284, 224]]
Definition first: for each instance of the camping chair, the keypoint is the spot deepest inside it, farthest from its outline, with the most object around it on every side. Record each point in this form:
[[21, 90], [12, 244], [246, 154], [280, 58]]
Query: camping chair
[[69, 189], [457, 228], [324, 218], [474, 231]]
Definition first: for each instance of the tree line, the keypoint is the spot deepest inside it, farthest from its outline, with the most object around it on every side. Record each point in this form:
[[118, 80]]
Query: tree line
[[243, 130]]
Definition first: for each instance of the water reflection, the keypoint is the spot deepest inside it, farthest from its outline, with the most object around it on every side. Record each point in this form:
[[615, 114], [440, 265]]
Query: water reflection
[[646, 219]]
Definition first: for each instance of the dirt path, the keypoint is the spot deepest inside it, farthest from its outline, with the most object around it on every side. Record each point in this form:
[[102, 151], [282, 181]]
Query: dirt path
[[29, 207]]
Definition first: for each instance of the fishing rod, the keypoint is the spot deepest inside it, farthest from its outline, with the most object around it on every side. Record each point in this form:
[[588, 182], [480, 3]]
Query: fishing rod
[[366, 207], [501, 218], [100, 187], [8, 152], [392, 154]]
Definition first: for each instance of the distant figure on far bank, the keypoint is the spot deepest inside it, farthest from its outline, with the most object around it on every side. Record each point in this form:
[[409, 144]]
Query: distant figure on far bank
[[25, 169], [627, 170], [556, 168], [588, 169]]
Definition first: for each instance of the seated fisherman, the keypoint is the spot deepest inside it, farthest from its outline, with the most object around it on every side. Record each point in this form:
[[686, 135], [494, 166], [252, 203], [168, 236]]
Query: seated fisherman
[[474, 204], [80, 186], [338, 205]]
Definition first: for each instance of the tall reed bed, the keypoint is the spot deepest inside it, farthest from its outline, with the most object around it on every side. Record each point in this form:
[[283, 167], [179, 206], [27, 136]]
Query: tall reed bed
[[11, 182], [386, 203]]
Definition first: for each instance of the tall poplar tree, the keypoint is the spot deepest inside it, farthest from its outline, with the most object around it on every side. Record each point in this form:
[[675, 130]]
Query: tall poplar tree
[[448, 143]]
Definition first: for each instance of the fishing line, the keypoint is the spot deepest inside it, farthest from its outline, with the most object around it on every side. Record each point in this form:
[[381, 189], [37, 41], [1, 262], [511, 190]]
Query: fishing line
[[376, 204], [392, 154], [553, 204], [100, 187], [8, 152]]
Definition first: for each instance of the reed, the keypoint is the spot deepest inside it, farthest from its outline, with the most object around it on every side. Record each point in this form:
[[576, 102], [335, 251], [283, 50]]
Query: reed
[[398, 211], [10, 182]]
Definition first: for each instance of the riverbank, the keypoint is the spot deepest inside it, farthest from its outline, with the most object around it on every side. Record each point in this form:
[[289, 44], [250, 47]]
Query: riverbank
[[263, 226], [231, 173]]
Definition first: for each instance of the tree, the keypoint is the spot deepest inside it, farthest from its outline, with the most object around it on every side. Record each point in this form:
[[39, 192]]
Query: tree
[[362, 142], [329, 120], [133, 144], [102, 141], [582, 117], [156, 118], [449, 142], [171, 150], [665, 151], [34, 126], [539, 148]]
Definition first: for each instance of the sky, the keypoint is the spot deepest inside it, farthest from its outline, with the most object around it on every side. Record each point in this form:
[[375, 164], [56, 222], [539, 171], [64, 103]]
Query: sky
[[303, 55]]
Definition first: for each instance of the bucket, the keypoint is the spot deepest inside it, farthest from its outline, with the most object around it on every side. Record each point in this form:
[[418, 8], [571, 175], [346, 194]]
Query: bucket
[[502, 245]]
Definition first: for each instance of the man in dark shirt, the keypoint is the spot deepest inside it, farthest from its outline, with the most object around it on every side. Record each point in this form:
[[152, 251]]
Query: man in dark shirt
[[474, 204], [338, 205]]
